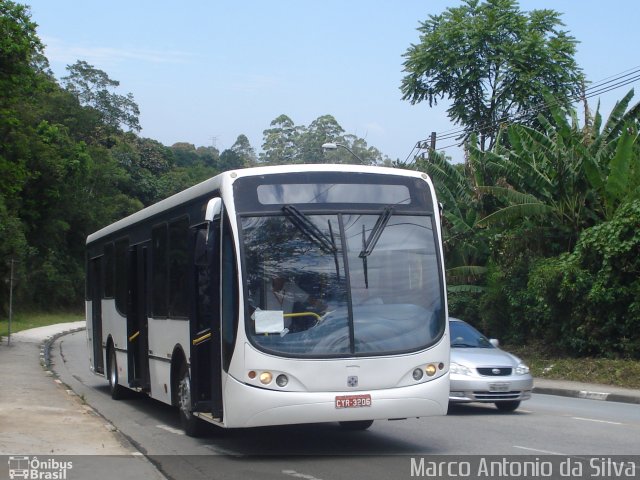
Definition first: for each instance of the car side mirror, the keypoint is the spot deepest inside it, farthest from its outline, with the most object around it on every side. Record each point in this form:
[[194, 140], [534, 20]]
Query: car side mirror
[[494, 342]]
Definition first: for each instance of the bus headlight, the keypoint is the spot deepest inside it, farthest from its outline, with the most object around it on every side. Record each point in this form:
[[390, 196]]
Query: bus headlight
[[265, 378], [430, 370], [417, 374]]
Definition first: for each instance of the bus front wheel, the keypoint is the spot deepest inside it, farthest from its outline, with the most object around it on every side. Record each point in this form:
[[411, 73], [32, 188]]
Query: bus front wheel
[[191, 424], [356, 424]]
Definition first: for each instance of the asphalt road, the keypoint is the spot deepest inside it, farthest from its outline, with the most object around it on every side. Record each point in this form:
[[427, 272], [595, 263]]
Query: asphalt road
[[544, 425]]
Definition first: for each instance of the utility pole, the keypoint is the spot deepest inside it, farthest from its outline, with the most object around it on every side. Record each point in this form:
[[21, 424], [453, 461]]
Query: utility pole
[[432, 146], [10, 303]]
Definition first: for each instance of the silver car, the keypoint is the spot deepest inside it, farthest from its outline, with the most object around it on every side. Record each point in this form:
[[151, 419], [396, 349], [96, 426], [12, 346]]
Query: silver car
[[481, 372]]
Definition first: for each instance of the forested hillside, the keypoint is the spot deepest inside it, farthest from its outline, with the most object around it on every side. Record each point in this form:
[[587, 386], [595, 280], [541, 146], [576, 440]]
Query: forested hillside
[[72, 161]]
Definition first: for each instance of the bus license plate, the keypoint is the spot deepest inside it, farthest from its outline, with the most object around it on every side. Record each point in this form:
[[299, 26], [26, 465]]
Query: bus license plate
[[353, 401]]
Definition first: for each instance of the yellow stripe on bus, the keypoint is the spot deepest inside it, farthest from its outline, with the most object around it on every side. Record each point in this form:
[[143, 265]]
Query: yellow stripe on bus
[[201, 339]]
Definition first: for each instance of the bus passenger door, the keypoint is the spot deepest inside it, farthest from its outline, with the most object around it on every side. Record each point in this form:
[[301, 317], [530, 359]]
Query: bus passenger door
[[204, 322], [95, 289], [137, 324]]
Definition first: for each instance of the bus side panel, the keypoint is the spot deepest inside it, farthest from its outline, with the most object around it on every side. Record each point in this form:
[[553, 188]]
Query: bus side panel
[[164, 335], [88, 318], [114, 327]]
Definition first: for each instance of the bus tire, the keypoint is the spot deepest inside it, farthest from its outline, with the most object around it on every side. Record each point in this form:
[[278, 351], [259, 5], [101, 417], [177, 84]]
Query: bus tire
[[118, 392], [356, 425], [191, 424]]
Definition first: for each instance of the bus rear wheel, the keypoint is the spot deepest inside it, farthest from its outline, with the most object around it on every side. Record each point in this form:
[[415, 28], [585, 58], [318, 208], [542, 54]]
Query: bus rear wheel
[[356, 425], [118, 392], [191, 424]]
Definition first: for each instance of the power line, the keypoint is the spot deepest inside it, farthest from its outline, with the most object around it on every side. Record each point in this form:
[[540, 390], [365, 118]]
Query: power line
[[451, 133], [599, 89], [605, 85]]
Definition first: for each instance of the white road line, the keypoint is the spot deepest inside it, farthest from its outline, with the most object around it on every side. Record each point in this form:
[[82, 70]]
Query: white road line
[[304, 476], [170, 429], [548, 452], [596, 420]]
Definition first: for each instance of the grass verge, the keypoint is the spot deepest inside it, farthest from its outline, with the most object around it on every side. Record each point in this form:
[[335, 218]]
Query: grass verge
[[606, 371], [24, 321]]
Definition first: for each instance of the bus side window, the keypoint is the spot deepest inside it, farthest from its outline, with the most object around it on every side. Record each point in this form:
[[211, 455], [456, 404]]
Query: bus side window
[[159, 264], [121, 281], [108, 271], [178, 267]]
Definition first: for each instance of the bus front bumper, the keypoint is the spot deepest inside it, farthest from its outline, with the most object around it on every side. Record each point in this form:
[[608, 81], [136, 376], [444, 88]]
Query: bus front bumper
[[254, 407]]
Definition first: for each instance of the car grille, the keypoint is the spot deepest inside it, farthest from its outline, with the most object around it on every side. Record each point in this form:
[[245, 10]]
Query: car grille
[[496, 395], [495, 371]]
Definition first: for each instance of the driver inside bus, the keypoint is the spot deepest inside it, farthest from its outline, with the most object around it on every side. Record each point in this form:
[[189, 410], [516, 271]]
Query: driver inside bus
[[288, 297]]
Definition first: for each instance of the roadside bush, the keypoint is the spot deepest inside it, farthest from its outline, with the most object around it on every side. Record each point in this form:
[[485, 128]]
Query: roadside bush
[[602, 285], [588, 302]]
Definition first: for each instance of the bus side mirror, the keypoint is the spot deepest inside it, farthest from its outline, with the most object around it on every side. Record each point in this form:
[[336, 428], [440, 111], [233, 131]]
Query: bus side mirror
[[214, 207], [203, 235]]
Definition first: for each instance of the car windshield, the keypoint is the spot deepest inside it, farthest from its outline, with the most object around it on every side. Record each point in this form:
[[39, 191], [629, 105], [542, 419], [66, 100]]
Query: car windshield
[[464, 335], [313, 293]]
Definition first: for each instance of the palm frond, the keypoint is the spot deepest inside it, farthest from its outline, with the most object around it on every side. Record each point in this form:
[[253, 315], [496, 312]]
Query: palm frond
[[512, 212], [465, 289]]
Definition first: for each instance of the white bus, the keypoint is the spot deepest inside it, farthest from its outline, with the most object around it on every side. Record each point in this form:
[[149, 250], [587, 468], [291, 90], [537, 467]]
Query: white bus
[[277, 295]]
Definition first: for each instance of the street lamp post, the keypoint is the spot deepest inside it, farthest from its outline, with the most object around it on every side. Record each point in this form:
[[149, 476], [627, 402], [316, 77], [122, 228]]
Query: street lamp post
[[334, 146]]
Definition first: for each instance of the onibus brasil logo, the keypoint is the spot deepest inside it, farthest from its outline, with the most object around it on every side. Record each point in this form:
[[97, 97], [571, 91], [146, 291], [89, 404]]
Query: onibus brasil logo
[[35, 469]]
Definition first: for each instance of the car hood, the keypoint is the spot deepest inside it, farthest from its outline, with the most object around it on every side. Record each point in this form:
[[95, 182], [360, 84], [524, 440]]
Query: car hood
[[483, 357]]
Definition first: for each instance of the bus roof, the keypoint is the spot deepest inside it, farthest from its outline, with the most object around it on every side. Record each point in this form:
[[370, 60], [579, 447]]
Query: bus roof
[[216, 182]]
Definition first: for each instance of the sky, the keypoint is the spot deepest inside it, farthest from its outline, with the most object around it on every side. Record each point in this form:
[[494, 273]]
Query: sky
[[206, 71]]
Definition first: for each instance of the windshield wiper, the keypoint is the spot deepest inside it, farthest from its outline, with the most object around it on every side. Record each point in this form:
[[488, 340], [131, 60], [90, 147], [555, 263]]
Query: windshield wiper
[[370, 243], [306, 226], [463, 345]]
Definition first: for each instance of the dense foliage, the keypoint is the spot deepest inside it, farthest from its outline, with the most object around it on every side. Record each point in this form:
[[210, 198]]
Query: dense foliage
[[541, 232], [541, 221]]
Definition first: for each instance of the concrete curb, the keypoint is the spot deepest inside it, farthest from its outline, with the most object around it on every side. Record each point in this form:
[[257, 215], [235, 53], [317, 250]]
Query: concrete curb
[[588, 394], [45, 361], [45, 347]]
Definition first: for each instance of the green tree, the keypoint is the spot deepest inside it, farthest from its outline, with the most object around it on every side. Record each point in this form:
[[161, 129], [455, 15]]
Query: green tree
[[20, 49], [240, 155], [93, 88], [281, 142], [322, 130], [493, 62]]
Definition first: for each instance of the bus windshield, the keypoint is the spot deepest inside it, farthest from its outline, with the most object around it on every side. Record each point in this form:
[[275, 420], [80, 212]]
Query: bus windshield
[[343, 284]]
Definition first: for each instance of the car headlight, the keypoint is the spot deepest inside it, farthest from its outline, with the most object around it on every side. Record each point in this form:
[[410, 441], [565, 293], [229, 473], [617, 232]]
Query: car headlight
[[522, 369], [459, 369]]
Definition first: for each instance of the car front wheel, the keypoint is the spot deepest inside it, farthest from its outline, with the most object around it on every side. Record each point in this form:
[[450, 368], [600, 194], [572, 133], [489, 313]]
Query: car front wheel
[[508, 406]]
